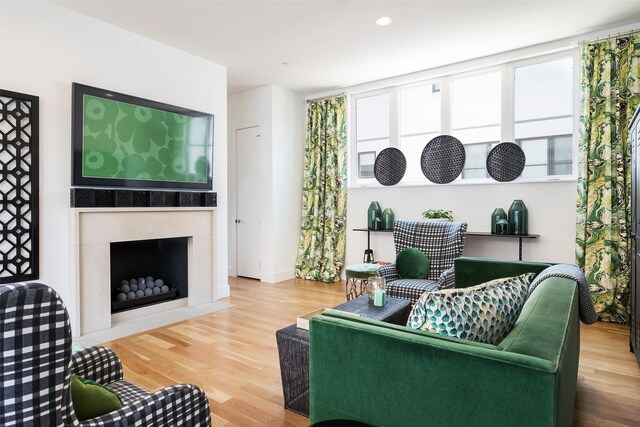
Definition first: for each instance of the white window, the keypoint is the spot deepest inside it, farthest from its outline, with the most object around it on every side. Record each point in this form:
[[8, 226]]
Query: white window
[[543, 112], [530, 103], [475, 118], [419, 123], [371, 132]]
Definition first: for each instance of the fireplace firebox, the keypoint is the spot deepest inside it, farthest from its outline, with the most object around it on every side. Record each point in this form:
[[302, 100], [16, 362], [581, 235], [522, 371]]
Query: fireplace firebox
[[145, 272]]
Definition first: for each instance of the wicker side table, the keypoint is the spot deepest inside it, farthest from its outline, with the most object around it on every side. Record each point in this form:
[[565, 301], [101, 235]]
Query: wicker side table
[[357, 275], [293, 347]]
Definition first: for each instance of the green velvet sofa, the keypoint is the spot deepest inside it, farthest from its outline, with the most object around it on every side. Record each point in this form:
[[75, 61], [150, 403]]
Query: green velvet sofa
[[387, 375]]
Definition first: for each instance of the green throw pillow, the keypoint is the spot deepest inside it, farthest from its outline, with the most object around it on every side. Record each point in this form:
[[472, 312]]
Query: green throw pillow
[[412, 263], [91, 399]]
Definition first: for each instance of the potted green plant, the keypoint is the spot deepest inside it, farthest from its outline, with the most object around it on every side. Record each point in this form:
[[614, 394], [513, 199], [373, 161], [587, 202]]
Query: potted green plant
[[437, 215]]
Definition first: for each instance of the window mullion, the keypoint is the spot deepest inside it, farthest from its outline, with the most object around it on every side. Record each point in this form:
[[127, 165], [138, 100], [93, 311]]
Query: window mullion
[[445, 106], [507, 130], [394, 117]]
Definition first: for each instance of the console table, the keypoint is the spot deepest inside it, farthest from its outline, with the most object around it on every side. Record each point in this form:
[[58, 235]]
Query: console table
[[507, 236], [469, 233], [369, 230]]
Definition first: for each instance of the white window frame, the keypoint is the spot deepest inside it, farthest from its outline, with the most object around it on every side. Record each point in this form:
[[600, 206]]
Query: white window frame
[[507, 117]]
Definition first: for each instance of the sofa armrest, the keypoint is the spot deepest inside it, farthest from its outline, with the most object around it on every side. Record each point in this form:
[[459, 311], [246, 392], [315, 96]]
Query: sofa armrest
[[97, 363], [410, 378], [471, 271], [447, 279], [389, 272], [182, 404]]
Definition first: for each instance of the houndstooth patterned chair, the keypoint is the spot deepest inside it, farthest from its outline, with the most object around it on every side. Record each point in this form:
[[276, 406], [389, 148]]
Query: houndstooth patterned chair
[[443, 242], [37, 363]]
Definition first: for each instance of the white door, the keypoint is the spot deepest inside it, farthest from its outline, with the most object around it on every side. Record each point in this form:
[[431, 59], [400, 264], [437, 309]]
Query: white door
[[248, 196]]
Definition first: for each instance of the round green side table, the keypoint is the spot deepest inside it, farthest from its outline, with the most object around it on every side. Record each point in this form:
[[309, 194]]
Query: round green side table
[[357, 277]]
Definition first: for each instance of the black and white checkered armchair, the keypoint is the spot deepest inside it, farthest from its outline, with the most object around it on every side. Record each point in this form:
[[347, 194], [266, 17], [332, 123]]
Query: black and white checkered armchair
[[443, 242], [37, 364]]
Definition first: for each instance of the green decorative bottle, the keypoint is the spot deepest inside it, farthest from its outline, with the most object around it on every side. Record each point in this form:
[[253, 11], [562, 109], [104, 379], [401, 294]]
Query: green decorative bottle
[[519, 218], [388, 218], [373, 213], [496, 216]]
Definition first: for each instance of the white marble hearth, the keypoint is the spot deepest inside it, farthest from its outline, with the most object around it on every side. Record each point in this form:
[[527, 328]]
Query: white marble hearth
[[95, 229]]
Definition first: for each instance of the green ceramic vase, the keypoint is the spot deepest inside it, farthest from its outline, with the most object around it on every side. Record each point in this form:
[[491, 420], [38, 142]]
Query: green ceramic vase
[[519, 218], [496, 216], [373, 213], [388, 218]]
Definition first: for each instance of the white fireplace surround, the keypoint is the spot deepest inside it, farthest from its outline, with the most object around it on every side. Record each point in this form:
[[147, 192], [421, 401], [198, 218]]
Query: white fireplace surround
[[95, 229]]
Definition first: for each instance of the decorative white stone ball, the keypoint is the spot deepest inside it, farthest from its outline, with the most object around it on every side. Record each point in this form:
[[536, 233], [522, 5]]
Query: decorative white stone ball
[[133, 282], [124, 283], [142, 286], [134, 287], [157, 290], [159, 282], [121, 297], [131, 295], [150, 284], [139, 293], [149, 278], [125, 288], [165, 289], [148, 292]]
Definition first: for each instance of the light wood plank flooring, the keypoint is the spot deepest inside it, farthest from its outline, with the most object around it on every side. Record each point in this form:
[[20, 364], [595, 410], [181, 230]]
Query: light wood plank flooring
[[232, 355]]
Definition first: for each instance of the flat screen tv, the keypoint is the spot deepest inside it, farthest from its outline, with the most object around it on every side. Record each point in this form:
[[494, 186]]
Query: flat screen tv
[[125, 141]]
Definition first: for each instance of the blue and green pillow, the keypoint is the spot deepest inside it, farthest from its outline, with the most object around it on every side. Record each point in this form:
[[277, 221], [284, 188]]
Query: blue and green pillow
[[484, 313]]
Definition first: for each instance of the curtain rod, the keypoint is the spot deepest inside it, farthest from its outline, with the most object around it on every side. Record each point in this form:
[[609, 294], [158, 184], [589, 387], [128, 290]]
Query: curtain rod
[[610, 36], [322, 98]]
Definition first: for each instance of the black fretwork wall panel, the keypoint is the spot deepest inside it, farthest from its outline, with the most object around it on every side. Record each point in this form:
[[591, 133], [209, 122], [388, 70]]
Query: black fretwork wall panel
[[18, 187]]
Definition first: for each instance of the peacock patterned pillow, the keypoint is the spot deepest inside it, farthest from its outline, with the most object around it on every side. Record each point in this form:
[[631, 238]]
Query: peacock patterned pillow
[[484, 313]]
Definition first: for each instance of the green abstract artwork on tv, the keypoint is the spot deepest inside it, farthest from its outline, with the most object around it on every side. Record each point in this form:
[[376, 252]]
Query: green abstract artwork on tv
[[125, 141]]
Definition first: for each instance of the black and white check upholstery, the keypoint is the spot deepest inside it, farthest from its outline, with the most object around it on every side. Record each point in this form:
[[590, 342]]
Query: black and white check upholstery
[[443, 242], [37, 364]]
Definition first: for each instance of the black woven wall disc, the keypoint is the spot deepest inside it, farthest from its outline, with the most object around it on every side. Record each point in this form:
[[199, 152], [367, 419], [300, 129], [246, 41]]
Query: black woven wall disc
[[390, 166], [505, 162], [443, 159]]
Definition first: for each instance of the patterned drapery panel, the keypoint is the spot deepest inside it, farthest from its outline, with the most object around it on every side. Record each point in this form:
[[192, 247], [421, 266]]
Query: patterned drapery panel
[[324, 192], [610, 94]]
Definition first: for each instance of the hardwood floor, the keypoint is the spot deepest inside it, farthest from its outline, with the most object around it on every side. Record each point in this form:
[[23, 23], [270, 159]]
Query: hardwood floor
[[232, 355]]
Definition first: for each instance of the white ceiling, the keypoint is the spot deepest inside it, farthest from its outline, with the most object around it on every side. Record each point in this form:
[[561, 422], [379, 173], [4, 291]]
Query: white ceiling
[[332, 44]]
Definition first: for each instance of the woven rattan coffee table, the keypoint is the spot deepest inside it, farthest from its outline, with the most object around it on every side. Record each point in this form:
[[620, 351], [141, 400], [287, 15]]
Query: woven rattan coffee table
[[293, 347]]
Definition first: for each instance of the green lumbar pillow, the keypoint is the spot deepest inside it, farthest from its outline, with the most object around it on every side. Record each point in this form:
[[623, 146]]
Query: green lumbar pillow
[[412, 263], [91, 399]]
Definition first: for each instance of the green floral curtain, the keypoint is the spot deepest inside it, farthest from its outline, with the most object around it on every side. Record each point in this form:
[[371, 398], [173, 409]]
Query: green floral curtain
[[324, 192], [610, 95]]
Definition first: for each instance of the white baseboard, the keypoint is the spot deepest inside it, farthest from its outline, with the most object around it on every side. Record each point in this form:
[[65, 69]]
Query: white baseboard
[[278, 276], [223, 291]]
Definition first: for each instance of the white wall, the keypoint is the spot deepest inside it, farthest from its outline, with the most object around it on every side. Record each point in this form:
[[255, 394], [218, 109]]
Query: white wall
[[280, 115], [288, 166], [43, 49], [551, 209], [248, 109]]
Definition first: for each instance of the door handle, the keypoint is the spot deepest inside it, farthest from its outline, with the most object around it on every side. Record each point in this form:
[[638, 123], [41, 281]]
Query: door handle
[[237, 221]]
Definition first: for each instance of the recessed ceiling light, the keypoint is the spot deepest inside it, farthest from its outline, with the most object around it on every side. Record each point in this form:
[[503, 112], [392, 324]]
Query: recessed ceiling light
[[383, 20]]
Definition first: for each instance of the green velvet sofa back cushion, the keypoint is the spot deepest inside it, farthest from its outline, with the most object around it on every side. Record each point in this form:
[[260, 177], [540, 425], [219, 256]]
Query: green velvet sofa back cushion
[[474, 271]]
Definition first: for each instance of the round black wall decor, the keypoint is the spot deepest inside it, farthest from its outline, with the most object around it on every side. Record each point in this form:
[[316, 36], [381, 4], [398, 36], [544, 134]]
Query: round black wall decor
[[505, 162], [443, 159], [390, 166]]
